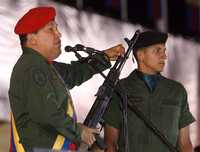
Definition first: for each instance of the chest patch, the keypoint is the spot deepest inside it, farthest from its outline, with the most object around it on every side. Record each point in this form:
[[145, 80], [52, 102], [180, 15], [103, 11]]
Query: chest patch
[[39, 77]]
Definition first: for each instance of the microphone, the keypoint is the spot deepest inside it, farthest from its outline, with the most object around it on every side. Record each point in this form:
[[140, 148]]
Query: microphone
[[90, 51], [74, 49], [69, 49], [79, 47]]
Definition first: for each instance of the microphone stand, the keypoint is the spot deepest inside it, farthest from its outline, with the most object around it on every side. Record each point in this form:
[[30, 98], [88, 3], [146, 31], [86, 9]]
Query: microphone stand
[[91, 53], [79, 57]]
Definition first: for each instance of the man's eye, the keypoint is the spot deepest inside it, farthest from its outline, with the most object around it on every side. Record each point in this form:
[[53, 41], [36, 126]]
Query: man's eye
[[156, 51], [50, 29]]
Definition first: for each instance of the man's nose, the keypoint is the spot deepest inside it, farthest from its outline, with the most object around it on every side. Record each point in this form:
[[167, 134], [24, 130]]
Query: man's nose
[[57, 32], [163, 55]]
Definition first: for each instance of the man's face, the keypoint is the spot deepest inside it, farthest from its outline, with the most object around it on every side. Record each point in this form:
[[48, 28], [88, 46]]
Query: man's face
[[152, 59], [48, 40]]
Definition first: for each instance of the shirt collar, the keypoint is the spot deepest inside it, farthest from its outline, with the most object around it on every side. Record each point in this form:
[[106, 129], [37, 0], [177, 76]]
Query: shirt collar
[[151, 80]]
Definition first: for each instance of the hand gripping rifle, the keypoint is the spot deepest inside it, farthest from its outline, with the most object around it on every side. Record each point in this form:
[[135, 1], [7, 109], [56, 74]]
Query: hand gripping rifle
[[105, 92]]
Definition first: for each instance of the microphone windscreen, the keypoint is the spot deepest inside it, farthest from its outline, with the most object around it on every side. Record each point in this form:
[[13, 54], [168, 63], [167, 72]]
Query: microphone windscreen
[[79, 47], [68, 49]]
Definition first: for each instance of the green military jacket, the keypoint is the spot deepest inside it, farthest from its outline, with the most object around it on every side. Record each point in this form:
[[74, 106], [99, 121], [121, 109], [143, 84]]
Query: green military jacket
[[38, 97], [166, 107]]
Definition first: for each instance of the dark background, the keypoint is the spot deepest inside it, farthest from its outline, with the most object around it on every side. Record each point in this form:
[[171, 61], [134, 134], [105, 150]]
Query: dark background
[[183, 16]]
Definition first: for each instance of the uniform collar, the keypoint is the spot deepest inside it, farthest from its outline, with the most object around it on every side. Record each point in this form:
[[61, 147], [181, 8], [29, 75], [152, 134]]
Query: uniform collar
[[27, 50], [151, 81]]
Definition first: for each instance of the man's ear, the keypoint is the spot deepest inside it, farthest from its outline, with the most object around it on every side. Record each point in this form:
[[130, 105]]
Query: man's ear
[[31, 39], [140, 55]]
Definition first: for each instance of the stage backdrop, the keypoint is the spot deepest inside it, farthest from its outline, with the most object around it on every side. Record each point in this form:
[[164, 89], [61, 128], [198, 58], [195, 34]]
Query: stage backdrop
[[99, 32]]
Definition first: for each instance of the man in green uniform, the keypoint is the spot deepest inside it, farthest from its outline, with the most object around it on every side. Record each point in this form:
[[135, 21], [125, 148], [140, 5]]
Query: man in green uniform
[[43, 116], [161, 100]]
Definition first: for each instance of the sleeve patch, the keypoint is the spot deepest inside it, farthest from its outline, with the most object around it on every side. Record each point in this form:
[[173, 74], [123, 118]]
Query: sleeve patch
[[39, 77]]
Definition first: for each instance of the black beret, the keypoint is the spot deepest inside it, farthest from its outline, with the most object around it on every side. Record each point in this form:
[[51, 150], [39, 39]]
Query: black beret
[[148, 38]]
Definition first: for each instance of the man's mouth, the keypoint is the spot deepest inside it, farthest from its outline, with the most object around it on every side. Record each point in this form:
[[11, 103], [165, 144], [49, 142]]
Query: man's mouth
[[162, 63], [58, 43]]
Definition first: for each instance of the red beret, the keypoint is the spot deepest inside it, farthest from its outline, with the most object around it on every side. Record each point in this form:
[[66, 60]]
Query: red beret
[[35, 19]]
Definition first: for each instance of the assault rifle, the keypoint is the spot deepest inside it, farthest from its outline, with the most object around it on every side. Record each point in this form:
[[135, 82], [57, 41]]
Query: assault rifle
[[104, 94]]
